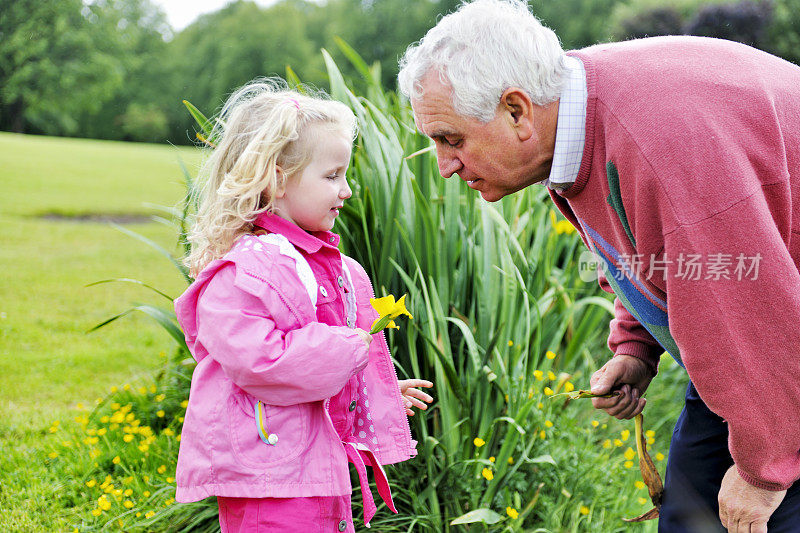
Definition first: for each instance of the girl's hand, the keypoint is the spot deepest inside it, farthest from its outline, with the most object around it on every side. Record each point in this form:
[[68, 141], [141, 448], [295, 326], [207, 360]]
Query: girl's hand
[[413, 397], [365, 336]]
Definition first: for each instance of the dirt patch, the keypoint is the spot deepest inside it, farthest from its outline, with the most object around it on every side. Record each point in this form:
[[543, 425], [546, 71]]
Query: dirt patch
[[98, 218]]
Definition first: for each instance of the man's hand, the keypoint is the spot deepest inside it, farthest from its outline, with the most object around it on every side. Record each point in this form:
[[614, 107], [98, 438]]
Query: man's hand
[[413, 397], [744, 508], [630, 376]]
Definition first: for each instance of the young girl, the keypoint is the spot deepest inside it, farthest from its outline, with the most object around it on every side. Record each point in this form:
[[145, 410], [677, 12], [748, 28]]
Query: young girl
[[289, 386]]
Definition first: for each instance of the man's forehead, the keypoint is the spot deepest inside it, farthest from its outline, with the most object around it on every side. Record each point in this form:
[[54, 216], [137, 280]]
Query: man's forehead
[[433, 111]]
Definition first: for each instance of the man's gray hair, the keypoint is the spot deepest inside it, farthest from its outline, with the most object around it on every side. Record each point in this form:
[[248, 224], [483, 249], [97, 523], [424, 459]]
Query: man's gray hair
[[483, 49]]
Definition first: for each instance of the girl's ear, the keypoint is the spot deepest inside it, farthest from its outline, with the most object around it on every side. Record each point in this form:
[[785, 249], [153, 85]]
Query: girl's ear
[[280, 182]]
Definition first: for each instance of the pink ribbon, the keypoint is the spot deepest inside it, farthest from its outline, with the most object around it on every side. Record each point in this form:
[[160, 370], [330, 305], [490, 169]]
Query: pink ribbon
[[357, 453]]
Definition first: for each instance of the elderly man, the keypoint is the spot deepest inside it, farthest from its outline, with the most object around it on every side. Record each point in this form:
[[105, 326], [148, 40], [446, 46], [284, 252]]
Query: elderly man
[[678, 161]]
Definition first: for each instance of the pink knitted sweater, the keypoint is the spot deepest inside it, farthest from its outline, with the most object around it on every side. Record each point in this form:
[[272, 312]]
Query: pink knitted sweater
[[689, 195]]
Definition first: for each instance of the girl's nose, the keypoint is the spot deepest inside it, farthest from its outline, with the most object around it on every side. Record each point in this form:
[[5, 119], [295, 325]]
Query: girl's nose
[[345, 192]]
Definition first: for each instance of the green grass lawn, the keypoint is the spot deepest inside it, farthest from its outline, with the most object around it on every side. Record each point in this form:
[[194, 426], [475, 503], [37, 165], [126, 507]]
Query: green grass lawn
[[48, 363]]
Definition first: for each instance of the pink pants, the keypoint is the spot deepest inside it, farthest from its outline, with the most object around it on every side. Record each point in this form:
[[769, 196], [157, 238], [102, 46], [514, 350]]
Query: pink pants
[[323, 514]]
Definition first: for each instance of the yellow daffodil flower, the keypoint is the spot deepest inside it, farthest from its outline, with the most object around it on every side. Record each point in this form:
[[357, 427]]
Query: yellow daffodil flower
[[388, 310]]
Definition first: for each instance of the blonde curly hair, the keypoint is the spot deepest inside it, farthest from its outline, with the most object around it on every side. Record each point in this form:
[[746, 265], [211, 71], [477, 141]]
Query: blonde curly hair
[[262, 126]]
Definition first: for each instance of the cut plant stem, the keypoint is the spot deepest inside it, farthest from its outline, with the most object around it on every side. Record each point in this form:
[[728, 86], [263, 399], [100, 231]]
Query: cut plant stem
[[650, 475]]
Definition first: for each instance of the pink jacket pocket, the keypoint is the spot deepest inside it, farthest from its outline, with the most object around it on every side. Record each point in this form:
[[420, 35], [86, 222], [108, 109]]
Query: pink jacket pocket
[[290, 424]]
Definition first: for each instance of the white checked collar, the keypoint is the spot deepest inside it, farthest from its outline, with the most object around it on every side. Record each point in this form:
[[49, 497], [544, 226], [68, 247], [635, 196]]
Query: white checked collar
[[571, 127]]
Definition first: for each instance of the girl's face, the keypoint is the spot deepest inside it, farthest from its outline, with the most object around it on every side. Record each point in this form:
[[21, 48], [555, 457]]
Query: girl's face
[[312, 198]]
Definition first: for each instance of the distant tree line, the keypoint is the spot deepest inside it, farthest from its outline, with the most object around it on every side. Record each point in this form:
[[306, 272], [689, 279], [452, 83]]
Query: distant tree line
[[115, 69]]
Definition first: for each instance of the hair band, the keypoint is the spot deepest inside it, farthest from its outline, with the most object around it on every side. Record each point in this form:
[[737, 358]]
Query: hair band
[[296, 105]]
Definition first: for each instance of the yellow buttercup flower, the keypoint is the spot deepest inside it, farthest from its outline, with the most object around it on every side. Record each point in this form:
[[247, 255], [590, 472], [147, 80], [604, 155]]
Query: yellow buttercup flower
[[630, 454], [640, 485], [478, 442], [628, 464], [641, 500], [659, 456], [550, 355], [488, 474], [538, 374], [388, 310], [511, 460], [595, 423], [569, 387], [548, 391], [626, 434], [492, 459], [584, 510], [548, 424], [510, 511]]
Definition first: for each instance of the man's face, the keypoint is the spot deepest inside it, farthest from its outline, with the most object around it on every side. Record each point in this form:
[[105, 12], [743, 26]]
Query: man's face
[[489, 157]]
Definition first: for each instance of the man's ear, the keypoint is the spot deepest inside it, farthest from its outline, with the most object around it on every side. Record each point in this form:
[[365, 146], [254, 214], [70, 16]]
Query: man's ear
[[519, 109]]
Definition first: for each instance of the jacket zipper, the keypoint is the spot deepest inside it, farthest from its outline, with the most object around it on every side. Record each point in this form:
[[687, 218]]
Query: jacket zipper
[[406, 425]]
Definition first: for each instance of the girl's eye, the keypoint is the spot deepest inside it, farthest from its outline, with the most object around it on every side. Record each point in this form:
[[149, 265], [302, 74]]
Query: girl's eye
[[332, 176]]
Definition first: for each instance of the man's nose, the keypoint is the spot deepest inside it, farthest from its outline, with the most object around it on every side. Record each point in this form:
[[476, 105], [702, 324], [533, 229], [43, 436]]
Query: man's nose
[[448, 165]]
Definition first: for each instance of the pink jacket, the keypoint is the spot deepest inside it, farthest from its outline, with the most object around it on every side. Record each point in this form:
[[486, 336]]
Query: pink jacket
[[251, 322]]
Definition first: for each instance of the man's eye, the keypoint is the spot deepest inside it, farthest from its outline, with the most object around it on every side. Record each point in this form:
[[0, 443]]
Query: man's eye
[[452, 142]]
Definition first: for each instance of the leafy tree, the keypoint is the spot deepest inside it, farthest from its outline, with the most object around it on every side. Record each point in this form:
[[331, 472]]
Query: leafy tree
[[578, 23], [783, 34], [134, 33], [658, 21], [53, 66], [745, 22], [223, 50]]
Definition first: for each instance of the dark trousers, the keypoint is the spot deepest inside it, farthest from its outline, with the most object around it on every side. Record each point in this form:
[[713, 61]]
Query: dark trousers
[[698, 459]]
